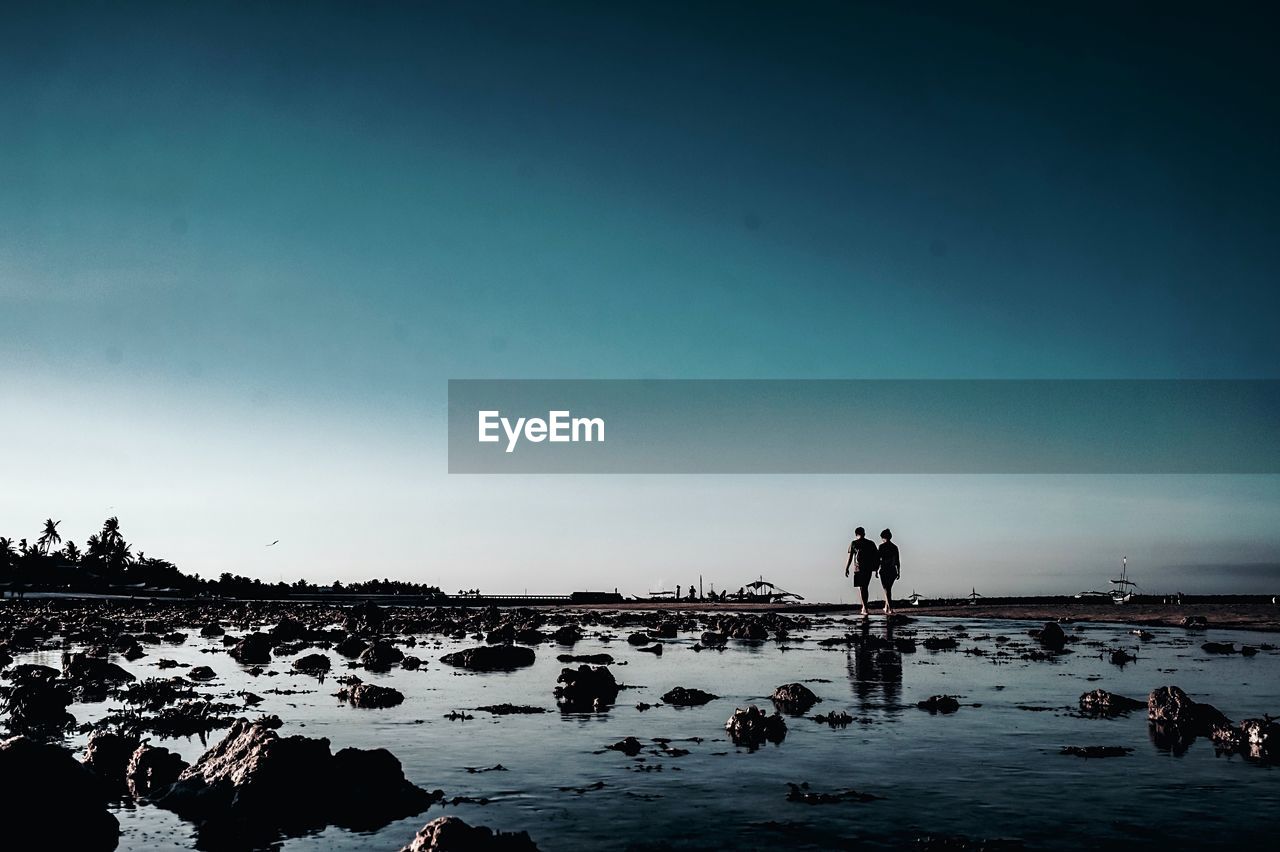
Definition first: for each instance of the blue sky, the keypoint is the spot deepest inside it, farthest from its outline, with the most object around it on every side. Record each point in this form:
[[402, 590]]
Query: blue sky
[[243, 248]]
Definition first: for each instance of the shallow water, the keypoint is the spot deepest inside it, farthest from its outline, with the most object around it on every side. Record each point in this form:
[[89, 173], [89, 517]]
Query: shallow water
[[986, 771]]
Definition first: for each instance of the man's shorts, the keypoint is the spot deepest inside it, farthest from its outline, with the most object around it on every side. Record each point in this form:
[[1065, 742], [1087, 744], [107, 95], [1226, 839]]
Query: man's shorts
[[862, 579]]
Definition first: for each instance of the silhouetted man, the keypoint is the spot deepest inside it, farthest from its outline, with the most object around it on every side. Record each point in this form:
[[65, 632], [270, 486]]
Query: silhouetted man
[[864, 559]]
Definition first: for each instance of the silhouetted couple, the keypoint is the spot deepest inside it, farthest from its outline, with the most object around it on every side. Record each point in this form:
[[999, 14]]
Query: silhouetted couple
[[866, 559]]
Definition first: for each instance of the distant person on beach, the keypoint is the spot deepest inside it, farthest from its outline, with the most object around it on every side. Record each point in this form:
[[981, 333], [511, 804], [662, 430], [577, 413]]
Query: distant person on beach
[[890, 567], [864, 559]]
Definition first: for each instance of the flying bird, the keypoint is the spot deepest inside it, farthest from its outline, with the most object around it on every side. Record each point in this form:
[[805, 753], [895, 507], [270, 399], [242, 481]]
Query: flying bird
[[274, 543]]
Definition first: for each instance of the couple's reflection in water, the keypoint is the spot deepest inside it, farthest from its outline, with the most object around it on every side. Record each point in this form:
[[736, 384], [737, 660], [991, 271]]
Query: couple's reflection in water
[[875, 669]]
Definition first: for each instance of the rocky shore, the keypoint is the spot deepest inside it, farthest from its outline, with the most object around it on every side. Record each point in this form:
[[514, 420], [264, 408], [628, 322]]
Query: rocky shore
[[258, 781]]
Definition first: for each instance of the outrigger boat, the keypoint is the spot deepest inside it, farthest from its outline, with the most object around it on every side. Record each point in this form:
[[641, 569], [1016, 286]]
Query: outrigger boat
[[762, 591], [1124, 587], [757, 591]]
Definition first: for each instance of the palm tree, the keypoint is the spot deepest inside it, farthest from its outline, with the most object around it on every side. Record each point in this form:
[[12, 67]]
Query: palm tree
[[72, 553], [111, 530], [8, 558], [118, 558], [49, 536]]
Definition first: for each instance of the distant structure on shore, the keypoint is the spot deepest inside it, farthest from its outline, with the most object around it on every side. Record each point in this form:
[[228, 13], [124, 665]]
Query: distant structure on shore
[[759, 590]]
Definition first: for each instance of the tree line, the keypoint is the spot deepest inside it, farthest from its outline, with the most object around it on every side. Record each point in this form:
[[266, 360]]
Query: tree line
[[108, 563]]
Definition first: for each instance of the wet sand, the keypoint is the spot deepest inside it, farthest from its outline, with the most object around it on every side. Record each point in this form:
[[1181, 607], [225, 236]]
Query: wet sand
[[1220, 615]]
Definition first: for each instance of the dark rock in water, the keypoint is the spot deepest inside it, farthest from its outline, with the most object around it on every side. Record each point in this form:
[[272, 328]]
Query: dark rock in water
[[86, 669], [1169, 706], [665, 630], [1096, 751], [1262, 736], [352, 646], [1051, 636], [639, 639], [488, 658], [202, 673], [450, 834], [511, 709], [48, 793], [748, 628], [586, 689], [288, 630], [794, 698], [503, 634], [1195, 622], [365, 617], [940, 704], [567, 635], [151, 769], [1248, 650], [1228, 739], [682, 697], [312, 664], [1257, 739], [801, 793], [752, 727], [630, 746], [107, 757], [36, 705], [655, 648], [1099, 702], [1218, 647], [529, 636], [594, 659], [182, 720], [252, 648], [940, 643], [371, 696], [1120, 657], [256, 782], [713, 640], [211, 631], [834, 719], [372, 789], [380, 656], [32, 673], [411, 663], [154, 693]]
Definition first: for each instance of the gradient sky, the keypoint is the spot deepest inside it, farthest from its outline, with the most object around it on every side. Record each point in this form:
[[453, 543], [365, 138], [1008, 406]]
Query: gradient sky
[[243, 247]]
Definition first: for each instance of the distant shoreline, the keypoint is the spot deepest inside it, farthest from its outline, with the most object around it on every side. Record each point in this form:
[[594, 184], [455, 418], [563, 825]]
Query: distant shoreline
[[1234, 612]]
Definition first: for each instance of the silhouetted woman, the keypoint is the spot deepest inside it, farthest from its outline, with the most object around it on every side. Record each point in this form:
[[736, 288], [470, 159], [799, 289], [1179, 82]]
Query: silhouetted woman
[[890, 568]]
